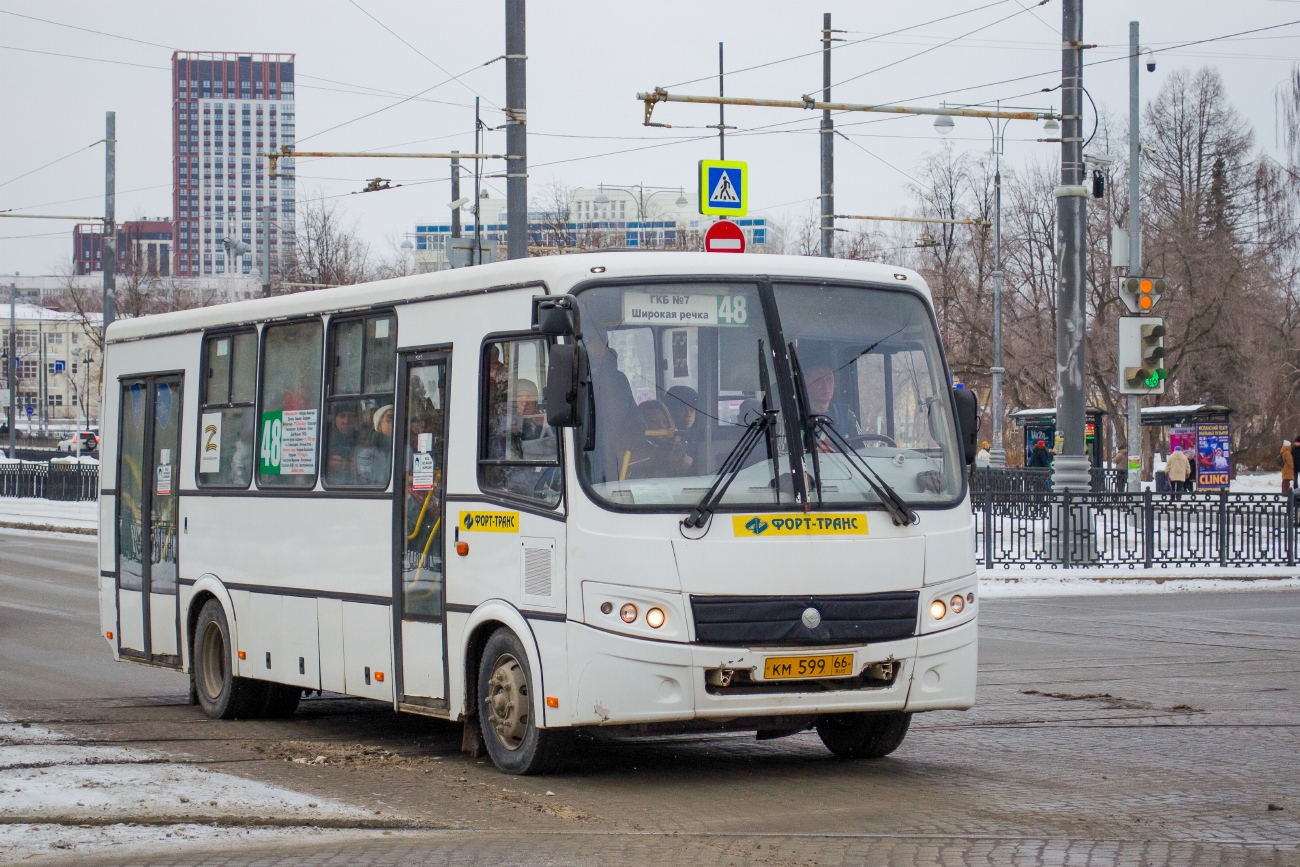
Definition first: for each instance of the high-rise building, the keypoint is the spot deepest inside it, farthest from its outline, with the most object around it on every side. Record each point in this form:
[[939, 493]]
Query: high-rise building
[[143, 247], [228, 111]]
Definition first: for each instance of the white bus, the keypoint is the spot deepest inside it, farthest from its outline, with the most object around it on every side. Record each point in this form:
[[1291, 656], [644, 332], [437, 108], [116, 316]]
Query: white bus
[[645, 491]]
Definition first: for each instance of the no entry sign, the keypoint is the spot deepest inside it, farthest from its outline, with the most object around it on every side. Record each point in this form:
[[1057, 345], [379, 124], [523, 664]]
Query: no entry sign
[[724, 236]]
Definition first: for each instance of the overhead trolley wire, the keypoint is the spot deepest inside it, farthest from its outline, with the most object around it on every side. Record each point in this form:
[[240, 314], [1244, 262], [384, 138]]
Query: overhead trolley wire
[[50, 163], [437, 65], [847, 44]]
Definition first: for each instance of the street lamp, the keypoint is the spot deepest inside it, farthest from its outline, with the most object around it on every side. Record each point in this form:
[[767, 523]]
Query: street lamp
[[997, 127], [638, 193]]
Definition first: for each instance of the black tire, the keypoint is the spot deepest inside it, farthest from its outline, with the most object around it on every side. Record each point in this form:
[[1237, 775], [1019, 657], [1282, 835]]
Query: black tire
[[281, 701], [220, 693], [508, 710], [863, 735]]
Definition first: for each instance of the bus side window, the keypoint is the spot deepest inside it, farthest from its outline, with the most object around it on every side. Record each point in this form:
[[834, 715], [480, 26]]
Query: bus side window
[[519, 453], [226, 428], [290, 405], [359, 404]]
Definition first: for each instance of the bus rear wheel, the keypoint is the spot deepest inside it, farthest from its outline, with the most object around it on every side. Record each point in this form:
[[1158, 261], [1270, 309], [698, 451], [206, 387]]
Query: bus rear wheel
[[221, 694], [863, 735], [508, 710]]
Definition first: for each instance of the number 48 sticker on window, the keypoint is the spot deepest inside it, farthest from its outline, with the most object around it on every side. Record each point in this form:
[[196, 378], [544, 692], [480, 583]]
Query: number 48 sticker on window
[[288, 446]]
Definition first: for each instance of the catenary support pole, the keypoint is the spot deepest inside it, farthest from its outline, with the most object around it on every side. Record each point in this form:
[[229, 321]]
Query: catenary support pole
[[108, 238], [1134, 241], [13, 360], [477, 257], [827, 146], [516, 134], [266, 244], [1070, 469], [997, 454], [455, 195], [722, 117]]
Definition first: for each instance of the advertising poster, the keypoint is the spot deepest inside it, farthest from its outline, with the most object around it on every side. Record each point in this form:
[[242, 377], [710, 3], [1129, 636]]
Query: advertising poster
[[1213, 456], [1183, 435]]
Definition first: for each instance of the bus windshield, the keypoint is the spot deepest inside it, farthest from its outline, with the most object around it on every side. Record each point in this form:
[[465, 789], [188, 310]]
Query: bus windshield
[[680, 371]]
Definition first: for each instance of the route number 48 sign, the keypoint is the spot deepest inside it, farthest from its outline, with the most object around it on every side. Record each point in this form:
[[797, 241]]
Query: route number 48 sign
[[288, 443]]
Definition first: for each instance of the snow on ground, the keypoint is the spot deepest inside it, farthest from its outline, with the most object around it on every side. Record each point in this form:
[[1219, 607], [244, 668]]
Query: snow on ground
[[1031, 582], [58, 794], [36, 512], [1257, 483]]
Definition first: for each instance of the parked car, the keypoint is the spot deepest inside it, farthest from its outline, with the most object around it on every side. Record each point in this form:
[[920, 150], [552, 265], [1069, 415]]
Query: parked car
[[89, 443]]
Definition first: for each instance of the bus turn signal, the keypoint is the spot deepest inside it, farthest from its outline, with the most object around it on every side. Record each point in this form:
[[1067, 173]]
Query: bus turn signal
[[462, 548]]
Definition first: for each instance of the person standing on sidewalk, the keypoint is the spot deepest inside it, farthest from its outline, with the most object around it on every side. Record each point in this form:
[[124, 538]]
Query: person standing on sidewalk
[[1178, 468], [1287, 462]]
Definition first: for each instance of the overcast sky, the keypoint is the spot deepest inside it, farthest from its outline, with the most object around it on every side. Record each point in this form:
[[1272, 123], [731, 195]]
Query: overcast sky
[[586, 62]]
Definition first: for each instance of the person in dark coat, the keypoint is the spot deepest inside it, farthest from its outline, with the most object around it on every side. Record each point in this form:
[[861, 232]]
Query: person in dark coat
[[1039, 457]]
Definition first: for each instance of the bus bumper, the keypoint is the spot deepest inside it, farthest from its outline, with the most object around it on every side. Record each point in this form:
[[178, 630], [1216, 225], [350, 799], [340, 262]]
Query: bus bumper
[[630, 680]]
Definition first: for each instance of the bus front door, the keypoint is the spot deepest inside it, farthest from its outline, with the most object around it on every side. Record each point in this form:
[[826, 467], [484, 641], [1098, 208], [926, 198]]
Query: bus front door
[[419, 610], [147, 510]]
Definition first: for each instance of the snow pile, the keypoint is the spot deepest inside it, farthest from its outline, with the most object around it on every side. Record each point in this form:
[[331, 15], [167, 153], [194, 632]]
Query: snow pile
[[1017, 583], [57, 793], [37, 512]]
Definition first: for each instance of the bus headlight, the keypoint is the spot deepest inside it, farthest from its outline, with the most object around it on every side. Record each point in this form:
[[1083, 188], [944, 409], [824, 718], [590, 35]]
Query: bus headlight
[[628, 613], [654, 618], [938, 610], [957, 603]]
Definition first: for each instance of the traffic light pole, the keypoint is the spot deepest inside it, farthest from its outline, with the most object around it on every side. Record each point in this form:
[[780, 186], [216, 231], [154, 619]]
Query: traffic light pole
[[1071, 468], [1134, 243]]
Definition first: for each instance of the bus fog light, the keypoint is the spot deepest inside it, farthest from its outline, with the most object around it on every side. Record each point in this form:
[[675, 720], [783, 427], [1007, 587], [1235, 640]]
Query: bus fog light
[[957, 603], [655, 617], [938, 609], [628, 613]]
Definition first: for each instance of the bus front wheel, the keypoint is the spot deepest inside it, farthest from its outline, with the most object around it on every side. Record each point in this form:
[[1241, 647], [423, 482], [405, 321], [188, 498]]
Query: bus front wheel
[[221, 694], [863, 735], [508, 709]]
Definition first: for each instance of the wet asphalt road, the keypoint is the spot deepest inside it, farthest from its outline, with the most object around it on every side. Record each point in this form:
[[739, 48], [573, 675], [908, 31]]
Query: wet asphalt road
[[1144, 729]]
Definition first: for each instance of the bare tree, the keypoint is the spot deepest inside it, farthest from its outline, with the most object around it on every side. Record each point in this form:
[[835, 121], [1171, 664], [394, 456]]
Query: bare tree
[[328, 249]]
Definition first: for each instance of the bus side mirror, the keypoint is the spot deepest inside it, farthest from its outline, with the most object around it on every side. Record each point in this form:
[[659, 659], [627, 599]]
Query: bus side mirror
[[555, 316], [561, 391], [968, 422]]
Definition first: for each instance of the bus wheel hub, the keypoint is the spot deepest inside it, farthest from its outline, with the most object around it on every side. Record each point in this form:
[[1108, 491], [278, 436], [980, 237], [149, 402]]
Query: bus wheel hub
[[507, 702]]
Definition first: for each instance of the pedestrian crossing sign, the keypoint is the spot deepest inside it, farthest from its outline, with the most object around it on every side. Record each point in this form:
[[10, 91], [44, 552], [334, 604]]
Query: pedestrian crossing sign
[[724, 188]]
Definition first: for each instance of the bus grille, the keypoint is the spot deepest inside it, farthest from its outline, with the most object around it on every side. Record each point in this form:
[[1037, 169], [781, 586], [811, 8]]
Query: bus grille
[[779, 620]]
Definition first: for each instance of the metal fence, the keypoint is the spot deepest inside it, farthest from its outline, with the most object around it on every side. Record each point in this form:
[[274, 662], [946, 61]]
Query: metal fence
[[1033, 480], [1140, 530], [69, 482]]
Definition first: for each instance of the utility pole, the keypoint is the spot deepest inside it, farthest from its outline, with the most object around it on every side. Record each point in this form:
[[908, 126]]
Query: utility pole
[[1070, 469], [997, 454], [516, 133], [455, 195], [1134, 243], [478, 189], [828, 146], [13, 360], [722, 117], [108, 238], [266, 241]]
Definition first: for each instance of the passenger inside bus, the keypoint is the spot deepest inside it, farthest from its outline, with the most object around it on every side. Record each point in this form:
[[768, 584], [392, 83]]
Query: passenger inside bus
[[618, 423], [682, 402], [344, 438]]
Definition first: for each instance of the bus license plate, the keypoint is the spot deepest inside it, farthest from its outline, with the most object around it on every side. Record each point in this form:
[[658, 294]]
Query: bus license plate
[[796, 667]]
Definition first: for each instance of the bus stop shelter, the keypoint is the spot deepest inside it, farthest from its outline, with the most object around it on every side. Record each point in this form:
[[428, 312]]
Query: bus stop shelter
[[1040, 424]]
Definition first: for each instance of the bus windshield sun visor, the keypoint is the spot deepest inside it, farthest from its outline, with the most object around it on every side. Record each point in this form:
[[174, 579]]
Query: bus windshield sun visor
[[817, 425]]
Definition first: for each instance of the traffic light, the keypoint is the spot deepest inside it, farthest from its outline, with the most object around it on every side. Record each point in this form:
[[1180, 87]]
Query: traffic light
[[1142, 355], [1140, 294]]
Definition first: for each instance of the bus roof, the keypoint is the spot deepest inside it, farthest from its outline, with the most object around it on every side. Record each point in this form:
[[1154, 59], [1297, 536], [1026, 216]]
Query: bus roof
[[558, 272]]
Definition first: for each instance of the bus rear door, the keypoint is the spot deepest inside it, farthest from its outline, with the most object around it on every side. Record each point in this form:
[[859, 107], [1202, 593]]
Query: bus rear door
[[147, 514]]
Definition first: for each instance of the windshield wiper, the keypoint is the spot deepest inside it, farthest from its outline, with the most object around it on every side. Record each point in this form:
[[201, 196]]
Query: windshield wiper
[[898, 508], [759, 428], [730, 468]]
